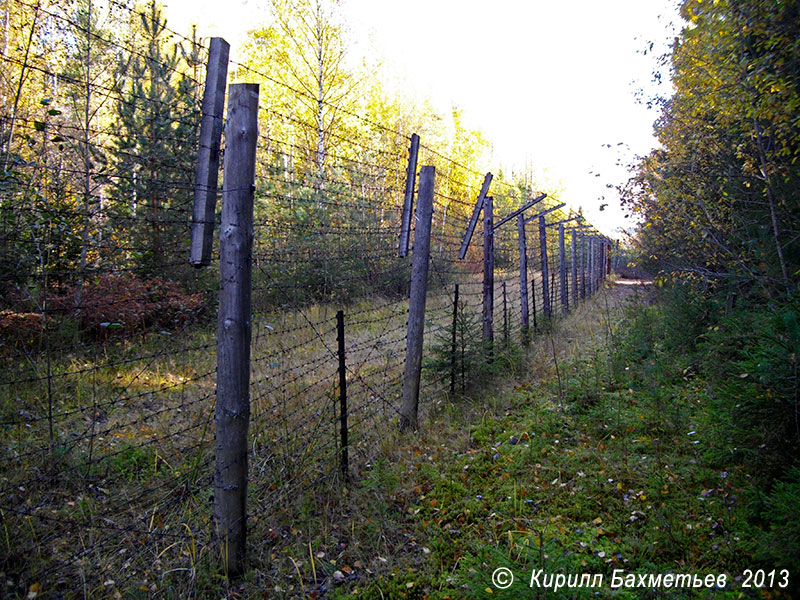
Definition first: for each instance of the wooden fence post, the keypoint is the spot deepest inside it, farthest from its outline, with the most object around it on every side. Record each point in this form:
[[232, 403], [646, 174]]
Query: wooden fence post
[[533, 300], [473, 220], [234, 327], [408, 196], [590, 267], [562, 267], [453, 346], [343, 448], [523, 279], [488, 275], [543, 254], [583, 266], [207, 173], [574, 268], [418, 296]]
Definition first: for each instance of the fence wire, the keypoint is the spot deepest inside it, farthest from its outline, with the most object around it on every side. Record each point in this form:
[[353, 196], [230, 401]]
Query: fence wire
[[109, 336]]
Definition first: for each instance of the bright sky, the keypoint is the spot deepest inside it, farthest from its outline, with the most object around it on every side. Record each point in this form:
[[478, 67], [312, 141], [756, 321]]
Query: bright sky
[[551, 84]]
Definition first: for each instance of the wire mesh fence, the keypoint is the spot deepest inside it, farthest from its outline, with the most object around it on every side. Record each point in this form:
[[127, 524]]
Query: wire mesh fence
[[109, 334]]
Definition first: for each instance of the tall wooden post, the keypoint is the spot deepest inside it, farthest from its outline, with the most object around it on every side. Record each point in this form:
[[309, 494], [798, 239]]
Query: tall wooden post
[[207, 173], [533, 300], [574, 268], [583, 266], [418, 296], [408, 196], [562, 269], [523, 279], [488, 275], [592, 262], [234, 328], [545, 275]]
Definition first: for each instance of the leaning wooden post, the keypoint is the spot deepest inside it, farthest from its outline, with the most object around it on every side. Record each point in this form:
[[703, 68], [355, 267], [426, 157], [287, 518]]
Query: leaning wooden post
[[562, 268], [408, 196], [523, 279], [488, 276], [232, 417], [207, 173], [344, 446], [418, 296], [453, 345], [583, 266], [543, 254], [574, 268]]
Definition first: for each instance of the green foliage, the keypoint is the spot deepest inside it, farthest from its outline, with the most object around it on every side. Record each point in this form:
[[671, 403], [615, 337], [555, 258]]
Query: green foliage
[[156, 142], [470, 360], [780, 544], [720, 195]]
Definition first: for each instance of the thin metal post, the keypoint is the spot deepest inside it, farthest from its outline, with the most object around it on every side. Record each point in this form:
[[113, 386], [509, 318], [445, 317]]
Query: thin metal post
[[562, 269], [453, 347], [505, 316], [343, 448]]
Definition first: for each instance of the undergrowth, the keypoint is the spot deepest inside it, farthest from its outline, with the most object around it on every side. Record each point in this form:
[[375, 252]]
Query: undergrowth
[[631, 446]]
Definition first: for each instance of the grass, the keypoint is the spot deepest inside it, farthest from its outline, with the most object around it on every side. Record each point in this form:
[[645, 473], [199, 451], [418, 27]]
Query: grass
[[579, 458]]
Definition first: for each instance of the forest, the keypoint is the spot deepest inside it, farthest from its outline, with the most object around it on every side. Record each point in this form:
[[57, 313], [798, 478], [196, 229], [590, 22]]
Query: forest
[[587, 406]]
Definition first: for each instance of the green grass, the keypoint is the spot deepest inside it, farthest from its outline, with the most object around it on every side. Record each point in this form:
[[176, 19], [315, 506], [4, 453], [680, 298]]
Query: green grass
[[593, 450]]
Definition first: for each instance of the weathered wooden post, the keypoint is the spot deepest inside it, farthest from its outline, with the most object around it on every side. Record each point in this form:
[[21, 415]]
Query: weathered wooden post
[[234, 328], [543, 255], [583, 266], [533, 300], [523, 279], [418, 296], [590, 267], [488, 275], [574, 268], [343, 447], [408, 195], [562, 268], [473, 221], [207, 173]]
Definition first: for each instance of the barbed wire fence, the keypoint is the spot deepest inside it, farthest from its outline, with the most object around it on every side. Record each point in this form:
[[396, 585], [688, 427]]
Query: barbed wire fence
[[110, 374]]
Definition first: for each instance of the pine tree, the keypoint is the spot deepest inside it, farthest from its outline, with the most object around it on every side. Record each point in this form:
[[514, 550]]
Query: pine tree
[[158, 122]]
